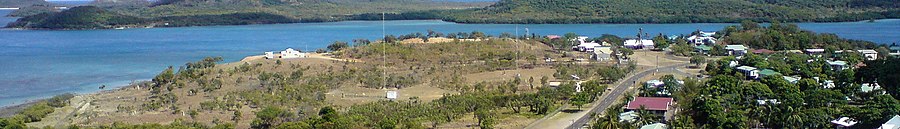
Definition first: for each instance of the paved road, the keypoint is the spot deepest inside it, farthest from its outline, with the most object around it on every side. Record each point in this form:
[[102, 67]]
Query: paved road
[[618, 91]]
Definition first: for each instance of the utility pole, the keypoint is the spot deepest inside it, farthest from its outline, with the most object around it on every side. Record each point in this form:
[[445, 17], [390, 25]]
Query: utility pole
[[383, 53]]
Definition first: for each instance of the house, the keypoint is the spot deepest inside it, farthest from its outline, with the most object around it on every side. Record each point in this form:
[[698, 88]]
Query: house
[[553, 37], [270, 55], [659, 105], [602, 53], [654, 83], [638, 43], [768, 72], [792, 80], [844, 122], [699, 40], [750, 72], [702, 38], [869, 87], [587, 47], [392, 95], [733, 63], [673, 37], [828, 84], [630, 116], [869, 54], [838, 65], [763, 51], [893, 123], [291, 53], [895, 50], [814, 51], [554, 84], [736, 50], [794, 51], [286, 54], [702, 49], [767, 101], [655, 126]]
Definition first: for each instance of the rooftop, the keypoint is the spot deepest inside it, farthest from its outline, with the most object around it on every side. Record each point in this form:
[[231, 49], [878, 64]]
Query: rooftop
[[815, 50], [654, 126], [891, 124], [845, 121], [760, 51], [629, 116], [791, 79], [843, 63], [867, 51], [650, 103], [869, 87], [746, 68], [703, 47], [768, 72], [735, 47]]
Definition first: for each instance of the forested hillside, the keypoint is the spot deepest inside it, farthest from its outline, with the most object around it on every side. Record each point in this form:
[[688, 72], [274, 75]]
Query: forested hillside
[[237, 12], [83, 17], [667, 11], [21, 3]]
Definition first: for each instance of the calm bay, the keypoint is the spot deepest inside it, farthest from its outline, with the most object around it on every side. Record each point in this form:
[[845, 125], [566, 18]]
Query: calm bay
[[41, 63]]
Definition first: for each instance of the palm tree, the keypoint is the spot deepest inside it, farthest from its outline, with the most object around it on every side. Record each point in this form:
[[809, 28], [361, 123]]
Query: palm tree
[[609, 121], [645, 117]]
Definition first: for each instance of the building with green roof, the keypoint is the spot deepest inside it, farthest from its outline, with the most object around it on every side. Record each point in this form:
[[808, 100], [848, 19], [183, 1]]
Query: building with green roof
[[768, 72]]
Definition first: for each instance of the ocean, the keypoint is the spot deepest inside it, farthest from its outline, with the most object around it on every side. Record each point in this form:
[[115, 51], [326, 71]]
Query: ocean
[[39, 63]]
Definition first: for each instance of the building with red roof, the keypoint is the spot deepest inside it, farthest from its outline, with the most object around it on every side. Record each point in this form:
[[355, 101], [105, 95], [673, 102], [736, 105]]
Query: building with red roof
[[650, 103]]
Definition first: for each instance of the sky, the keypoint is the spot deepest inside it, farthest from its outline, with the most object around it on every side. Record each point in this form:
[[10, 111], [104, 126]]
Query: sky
[[445, 0]]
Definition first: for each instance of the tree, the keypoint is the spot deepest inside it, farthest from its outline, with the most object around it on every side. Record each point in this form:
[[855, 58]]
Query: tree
[[390, 39], [682, 48], [884, 73], [485, 118], [361, 42], [625, 52], [338, 45], [237, 115], [579, 99], [269, 117], [749, 25], [661, 41], [544, 80], [531, 82], [165, 77], [697, 60]]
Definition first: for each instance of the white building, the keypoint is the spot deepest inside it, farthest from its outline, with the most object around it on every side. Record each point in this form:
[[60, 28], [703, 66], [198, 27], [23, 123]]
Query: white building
[[893, 123], [736, 50], [750, 72], [286, 54], [638, 44], [270, 55], [291, 53], [844, 122], [602, 53], [838, 65], [587, 47], [869, 54], [704, 38], [392, 95]]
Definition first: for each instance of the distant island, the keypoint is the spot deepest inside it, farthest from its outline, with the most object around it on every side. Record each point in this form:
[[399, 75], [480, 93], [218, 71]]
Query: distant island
[[21, 3], [176, 13]]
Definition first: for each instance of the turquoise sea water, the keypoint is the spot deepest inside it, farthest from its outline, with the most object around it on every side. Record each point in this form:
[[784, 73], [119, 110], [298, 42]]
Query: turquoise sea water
[[39, 63]]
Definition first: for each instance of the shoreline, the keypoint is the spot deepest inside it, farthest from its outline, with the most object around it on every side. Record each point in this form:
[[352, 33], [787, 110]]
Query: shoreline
[[15, 108]]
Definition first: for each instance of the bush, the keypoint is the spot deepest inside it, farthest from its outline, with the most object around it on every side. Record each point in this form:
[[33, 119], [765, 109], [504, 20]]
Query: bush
[[60, 100]]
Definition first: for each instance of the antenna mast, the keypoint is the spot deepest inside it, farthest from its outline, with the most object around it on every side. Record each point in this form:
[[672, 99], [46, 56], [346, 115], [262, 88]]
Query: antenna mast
[[383, 53]]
